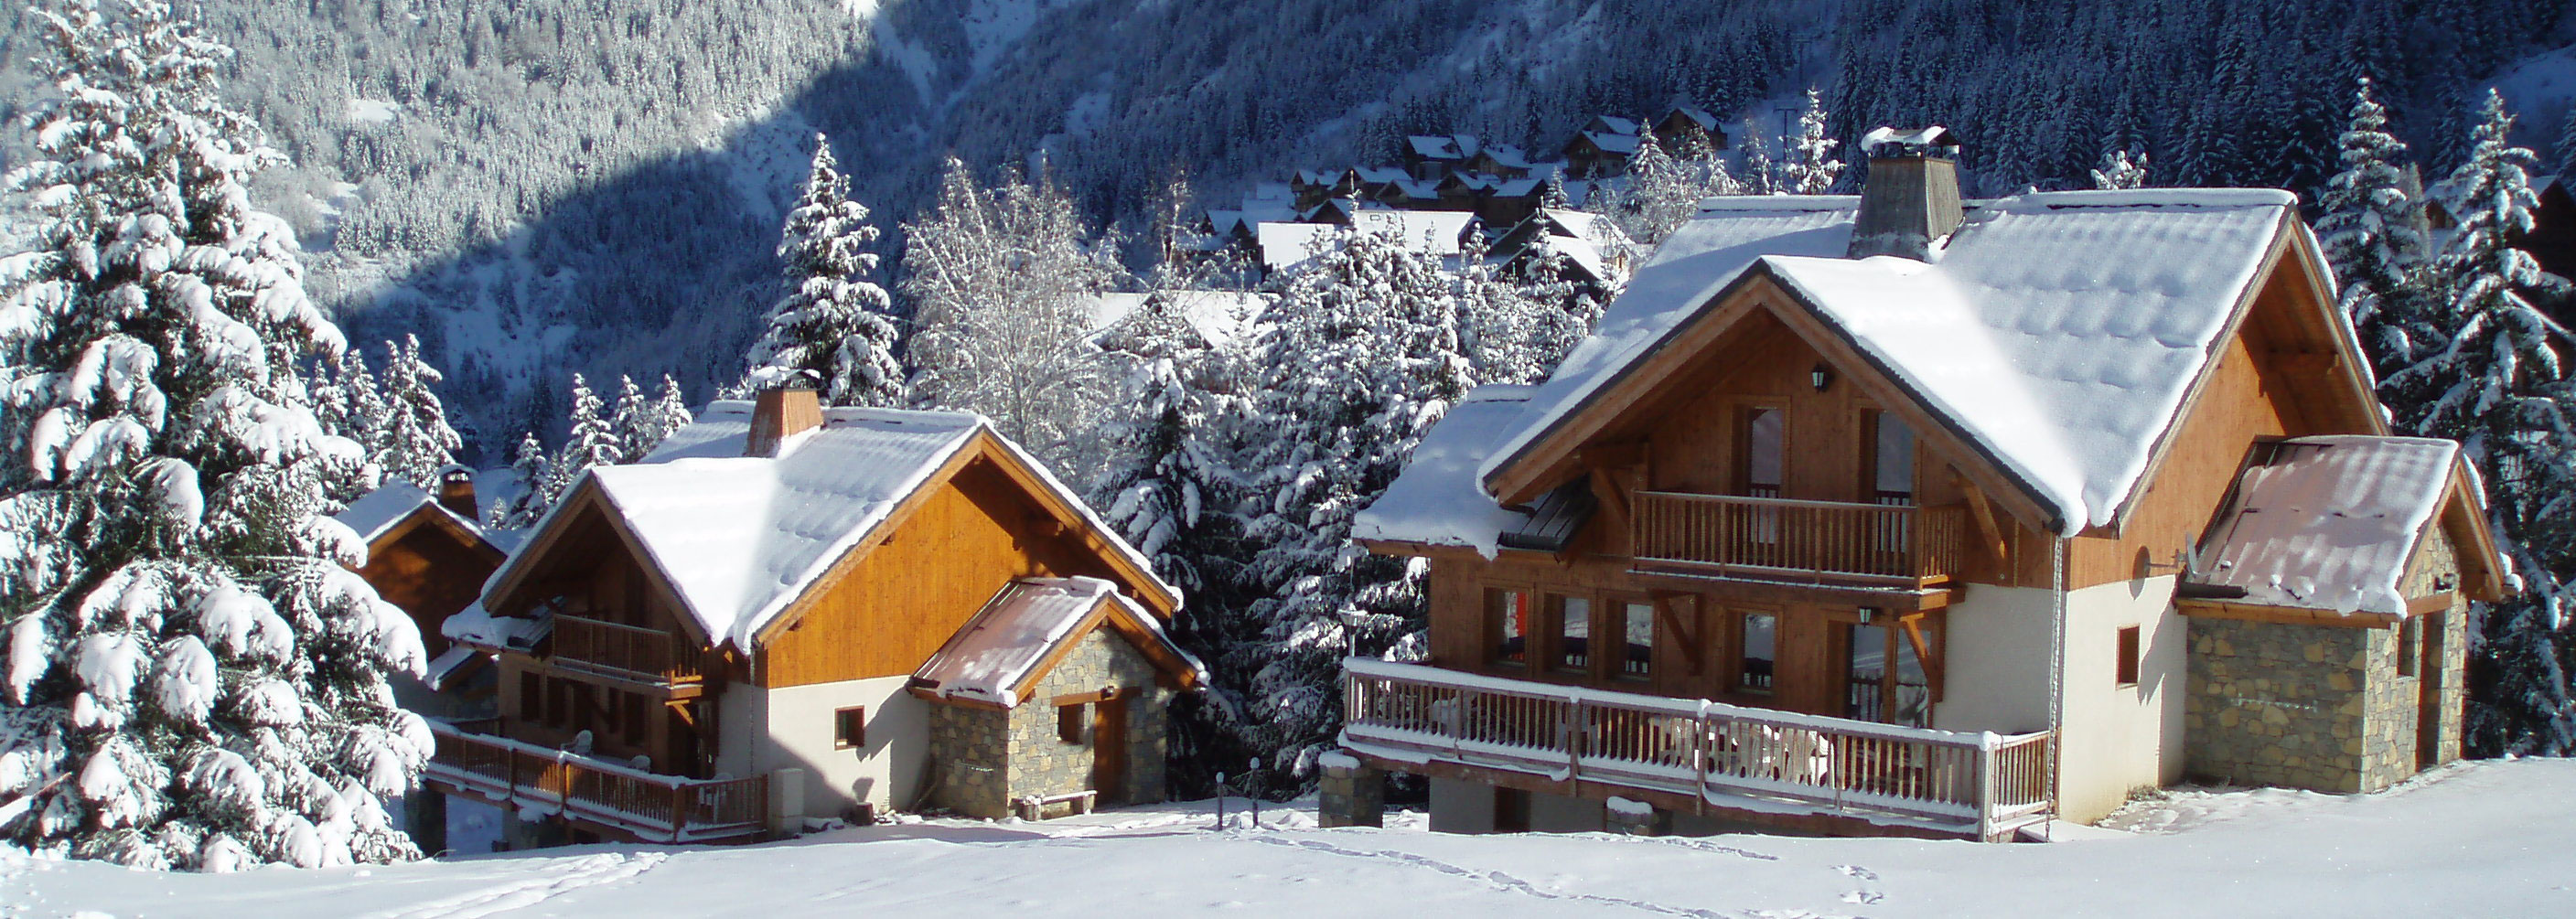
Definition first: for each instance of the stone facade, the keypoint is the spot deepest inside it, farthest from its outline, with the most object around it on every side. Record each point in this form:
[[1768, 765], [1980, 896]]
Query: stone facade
[[1350, 794], [2316, 706], [986, 758]]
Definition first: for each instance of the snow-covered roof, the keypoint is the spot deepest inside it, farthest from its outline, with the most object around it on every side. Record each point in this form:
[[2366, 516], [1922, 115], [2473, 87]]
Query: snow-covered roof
[[2330, 522], [1697, 116], [739, 538], [376, 513], [1219, 317], [1433, 148], [1002, 646], [1284, 245], [1934, 136], [2059, 332], [1609, 142], [476, 626], [1612, 124], [1437, 500]]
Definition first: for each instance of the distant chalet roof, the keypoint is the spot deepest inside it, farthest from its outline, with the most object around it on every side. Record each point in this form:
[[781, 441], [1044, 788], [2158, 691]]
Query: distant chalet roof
[[376, 513], [2058, 331], [1023, 626], [740, 538], [2330, 522]]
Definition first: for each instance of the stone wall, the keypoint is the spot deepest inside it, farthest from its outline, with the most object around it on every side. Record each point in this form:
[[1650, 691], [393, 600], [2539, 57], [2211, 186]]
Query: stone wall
[[986, 758], [970, 755], [1043, 765], [2304, 706]]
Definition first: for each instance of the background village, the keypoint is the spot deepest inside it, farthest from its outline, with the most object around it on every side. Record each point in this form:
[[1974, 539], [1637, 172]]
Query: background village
[[1597, 486]]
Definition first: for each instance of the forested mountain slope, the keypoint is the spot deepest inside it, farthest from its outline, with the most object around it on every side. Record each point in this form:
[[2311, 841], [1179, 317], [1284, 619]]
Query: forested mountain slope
[[543, 186]]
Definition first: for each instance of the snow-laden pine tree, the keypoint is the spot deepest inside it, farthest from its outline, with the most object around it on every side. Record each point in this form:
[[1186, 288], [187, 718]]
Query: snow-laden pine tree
[[1508, 335], [2490, 375], [2120, 171], [1761, 174], [643, 426], [414, 442], [1171, 488], [2371, 236], [1812, 168], [531, 468], [1002, 285], [591, 441], [356, 406], [1658, 196], [1360, 357], [835, 330], [625, 416], [192, 678]]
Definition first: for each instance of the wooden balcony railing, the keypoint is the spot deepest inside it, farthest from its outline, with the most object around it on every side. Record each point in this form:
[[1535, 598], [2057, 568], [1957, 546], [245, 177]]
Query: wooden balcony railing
[[1981, 784], [1816, 540], [656, 808], [650, 655]]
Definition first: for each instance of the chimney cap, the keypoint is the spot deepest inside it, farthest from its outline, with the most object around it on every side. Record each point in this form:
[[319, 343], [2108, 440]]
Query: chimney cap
[[1891, 142]]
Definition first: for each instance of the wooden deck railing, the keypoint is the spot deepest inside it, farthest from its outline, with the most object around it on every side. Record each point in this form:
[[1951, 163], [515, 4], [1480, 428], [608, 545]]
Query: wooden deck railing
[[651, 655], [1981, 784], [1812, 539], [656, 808]]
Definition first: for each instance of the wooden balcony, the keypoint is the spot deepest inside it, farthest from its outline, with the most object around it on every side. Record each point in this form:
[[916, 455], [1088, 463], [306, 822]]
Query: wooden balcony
[[649, 806], [643, 655], [1979, 786], [1898, 545]]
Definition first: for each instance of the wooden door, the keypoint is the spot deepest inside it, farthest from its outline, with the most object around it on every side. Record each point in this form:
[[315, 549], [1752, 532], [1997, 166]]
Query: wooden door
[[2428, 689], [1109, 750]]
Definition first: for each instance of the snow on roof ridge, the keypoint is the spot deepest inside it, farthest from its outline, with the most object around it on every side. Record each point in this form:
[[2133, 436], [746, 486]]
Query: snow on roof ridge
[[1780, 203], [2150, 197]]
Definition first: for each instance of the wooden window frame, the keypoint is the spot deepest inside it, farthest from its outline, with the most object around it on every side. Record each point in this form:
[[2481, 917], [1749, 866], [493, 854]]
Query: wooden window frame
[[1740, 475], [1618, 610], [1552, 617], [850, 727], [1491, 632], [1733, 652], [1073, 723], [2127, 662], [2410, 646]]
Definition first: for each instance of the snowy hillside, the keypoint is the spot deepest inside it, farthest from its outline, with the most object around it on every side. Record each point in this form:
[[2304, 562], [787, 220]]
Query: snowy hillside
[[2490, 838], [558, 185]]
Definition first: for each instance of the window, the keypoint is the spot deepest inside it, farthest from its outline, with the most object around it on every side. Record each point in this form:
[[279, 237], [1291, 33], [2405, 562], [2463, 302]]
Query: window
[[850, 727], [1637, 629], [1510, 610], [1756, 638], [1763, 447], [1573, 617], [1891, 460], [1071, 723], [2128, 660], [2410, 645]]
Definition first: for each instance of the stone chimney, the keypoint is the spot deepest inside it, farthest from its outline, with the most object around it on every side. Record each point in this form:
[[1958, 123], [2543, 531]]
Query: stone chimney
[[1911, 198], [456, 492], [778, 415]]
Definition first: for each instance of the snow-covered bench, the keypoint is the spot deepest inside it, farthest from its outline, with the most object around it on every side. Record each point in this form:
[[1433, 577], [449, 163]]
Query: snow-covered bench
[[1033, 807]]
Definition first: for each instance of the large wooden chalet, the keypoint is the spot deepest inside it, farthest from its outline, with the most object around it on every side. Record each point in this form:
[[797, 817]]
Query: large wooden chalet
[[787, 613], [1901, 514]]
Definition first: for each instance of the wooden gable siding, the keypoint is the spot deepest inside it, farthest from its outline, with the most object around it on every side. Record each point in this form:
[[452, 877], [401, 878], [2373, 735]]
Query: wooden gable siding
[[430, 568], [2282, 374], [902, 599]]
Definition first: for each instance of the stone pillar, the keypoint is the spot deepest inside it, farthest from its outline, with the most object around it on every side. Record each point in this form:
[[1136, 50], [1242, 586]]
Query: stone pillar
[[1351, 794], [1636, 818]]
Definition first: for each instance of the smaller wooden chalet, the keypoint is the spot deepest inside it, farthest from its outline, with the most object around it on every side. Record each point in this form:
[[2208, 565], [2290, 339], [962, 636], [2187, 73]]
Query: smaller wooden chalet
[[1592, 246], [767, 619], [1684, 123], [1594, 154], [429, 555]]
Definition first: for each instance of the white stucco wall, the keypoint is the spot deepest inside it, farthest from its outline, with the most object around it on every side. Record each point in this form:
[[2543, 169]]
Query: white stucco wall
[[2116, 738], [791, 728]]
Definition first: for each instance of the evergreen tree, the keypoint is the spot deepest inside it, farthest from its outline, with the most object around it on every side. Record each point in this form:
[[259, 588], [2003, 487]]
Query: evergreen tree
[[1361, 358], [2120, 172], [1812, 169], [2490, 376], [626, 419], [359, 401], [665, 414], [1552, 195], [415, 441], [192, 677], [532, 469], [1761, 176], [1170, 489], [1002, 284], [591, 442], [2370, 236], [833, 331]]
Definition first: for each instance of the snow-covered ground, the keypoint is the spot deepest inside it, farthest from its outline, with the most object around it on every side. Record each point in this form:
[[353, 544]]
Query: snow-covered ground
[[2482, 839]]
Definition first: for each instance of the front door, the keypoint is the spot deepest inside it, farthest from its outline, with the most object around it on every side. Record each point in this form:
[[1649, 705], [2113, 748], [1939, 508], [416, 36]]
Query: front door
[[2428, 687], [1109, 750]]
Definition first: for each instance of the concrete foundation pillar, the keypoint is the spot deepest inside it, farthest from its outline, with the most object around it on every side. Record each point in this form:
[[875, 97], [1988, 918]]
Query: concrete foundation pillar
[[1636, 818], [787, 802], [425, 813], [1350, 794]]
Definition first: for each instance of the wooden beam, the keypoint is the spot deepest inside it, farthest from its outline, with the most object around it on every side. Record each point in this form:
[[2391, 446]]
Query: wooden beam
[[1694, 647], [1913, 626], [1613, 498], [2285, 615], [1736, 590], [1989, 532]]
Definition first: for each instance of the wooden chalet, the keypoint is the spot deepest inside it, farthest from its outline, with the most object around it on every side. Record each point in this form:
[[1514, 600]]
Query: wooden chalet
[[1684, 123], [1821, 532], [429, 555], [724, 639]]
